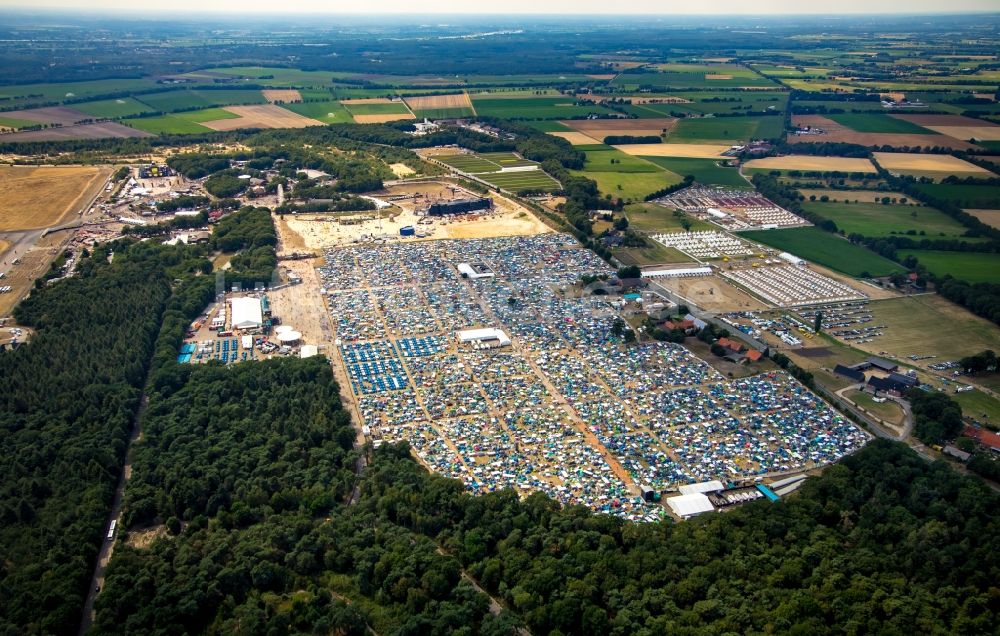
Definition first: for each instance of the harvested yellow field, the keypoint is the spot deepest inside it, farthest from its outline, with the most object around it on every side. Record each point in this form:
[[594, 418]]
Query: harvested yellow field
[[808, 162], [718, 76], [261, 116], [401, 169], [576, 138], [979, 133], [865, 196], [37, 197], [605, 78], [381, 119], [600, 128], [989, 217], [282, 96], [437, 102], [916, 163], [691, 151]]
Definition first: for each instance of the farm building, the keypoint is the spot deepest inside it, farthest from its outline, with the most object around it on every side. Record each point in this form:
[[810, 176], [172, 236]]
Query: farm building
[[849, 372], [459, 206], [247, 313], [882, 365]]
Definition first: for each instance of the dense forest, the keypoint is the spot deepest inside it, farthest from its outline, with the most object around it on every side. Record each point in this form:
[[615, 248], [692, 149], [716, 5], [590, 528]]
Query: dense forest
[[250, 233], [66, 408]]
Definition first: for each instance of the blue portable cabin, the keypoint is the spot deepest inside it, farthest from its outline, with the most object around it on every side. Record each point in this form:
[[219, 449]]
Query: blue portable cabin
[[767, 492]]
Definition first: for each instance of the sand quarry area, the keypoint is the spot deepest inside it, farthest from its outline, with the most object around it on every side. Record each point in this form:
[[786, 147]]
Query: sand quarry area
[[39, 197], [317, 231]]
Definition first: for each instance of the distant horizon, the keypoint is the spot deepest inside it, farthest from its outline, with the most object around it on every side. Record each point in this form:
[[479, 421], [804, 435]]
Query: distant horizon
[[513, 8]]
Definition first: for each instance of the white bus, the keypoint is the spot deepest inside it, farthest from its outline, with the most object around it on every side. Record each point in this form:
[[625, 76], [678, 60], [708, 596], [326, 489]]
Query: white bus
[[111, 530]]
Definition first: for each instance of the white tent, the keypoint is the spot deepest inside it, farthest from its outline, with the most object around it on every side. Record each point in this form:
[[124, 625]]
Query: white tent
[[247, 313], [705, 486], [687, 506], [308, 351]]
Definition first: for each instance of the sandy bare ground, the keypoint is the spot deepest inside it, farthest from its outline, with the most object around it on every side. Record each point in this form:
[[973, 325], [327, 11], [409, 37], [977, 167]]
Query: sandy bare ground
[[381, 119], [39, 197], [712, 293], [809, 162], [692, 151], [905, 162], [576, 138], [432, 102], [262, 116], [284, 95], [104, 130], [601, 128], [50, 115], [989, 217], [402, 170]]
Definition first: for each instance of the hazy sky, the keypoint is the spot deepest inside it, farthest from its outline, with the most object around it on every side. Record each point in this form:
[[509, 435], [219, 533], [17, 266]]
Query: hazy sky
[[664, 7]]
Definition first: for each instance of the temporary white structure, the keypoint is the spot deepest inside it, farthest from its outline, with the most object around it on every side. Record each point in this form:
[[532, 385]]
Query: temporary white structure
[[289, 337], [484, 335], [308, 351], [247, 313], [283, 328], [687, 506], [705, 486]]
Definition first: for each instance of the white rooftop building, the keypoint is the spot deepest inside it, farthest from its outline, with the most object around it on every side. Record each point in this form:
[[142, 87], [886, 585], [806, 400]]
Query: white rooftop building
[[487, 335], [687, 506], [247, 313], [702, 487], [469, 271]]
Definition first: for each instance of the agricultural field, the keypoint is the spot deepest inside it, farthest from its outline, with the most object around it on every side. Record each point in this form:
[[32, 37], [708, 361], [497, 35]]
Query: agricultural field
[[692, 151], [534, 180], [441, 106], [328, 112], [11, 122], [281, 95], [599, 129], [260, 116], [728, 130], [876, 219], [694, 76], [488, 167], [630, 185], [167, 125], [814, 244], [533, 107], [40, 197], [473, 164], [879, 124], [970, 266], [956, 126], [934, 166], [704, 171], [989, 217], [653, 218], [27, 94], [113, 108], [966, 196], [376, 111], [809, 163], [103, 130], [834, 131], [907, 319], [608, 159]]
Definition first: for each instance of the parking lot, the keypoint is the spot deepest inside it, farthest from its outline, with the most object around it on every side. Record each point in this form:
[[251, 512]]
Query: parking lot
[[566, 408]]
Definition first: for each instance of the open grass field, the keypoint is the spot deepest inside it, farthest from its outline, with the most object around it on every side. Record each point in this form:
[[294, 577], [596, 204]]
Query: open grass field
[[695, 76], [532, 107], [924, 165], [260, 116], [61, 115], [507, 159], [811, 163], [630, 185], [13, 123], [815, 245], [657, 254], [692, 151], [536, 180], [837, 132], [608, 159], [957, 332], [966, 196], [704, 171], [473, 164], [27, 94], [103, 130], [328, 112], [184, 99], [876, 219], [650, 217], [889, 411], [719, 130], [980, 406], [376, 107], [600, 128], [551, 126], [40, 197], [877, 123], [970, 266], [113, 108], [703, 103]]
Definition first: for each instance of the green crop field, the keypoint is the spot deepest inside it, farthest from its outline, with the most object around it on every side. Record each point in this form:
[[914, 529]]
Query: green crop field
[[720, 129], [507, 159], [267, 76], [974, 267], [391, 108], [22, 95], [328, 112], [694, 76], [653, 255], [444, 113], [166, 125], [986, 197], [172, 101], [113, 108], [527, 180], [650, 217], [875, 219], [827, 249], [10, 122], [879, 124], [533, 107], [547, 125], [630, 185], [205, 114], [704, 171], [847, 107], [608, 159]]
